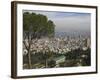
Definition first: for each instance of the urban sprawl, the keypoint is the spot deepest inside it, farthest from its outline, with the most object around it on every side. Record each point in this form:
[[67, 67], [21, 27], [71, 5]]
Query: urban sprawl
[[52, 52]]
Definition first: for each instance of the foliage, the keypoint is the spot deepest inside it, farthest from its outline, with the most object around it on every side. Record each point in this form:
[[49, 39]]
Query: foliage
[[51, 63], [38, 24], [79, 54]]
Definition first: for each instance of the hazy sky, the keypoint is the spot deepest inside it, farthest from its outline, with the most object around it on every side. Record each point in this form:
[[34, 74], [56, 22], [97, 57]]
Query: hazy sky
[[68, 21]]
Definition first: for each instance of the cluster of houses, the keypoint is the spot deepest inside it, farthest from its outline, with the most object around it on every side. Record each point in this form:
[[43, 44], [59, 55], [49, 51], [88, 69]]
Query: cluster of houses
[[56, 45]]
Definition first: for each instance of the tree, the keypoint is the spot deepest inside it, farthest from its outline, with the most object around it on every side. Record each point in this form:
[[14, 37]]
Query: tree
[[52, 63], [41, 26], [35, 26], [50, 28], [87, 57]]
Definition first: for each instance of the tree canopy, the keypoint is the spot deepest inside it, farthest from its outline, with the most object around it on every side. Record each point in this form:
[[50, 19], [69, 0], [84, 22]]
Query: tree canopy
[[38, 24]]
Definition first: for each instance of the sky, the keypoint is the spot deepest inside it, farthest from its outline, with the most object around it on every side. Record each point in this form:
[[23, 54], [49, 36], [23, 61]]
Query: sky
[[68, 21]]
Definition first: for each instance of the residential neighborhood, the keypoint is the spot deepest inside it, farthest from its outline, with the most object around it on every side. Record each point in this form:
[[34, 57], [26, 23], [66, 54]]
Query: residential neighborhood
[[55, 49]]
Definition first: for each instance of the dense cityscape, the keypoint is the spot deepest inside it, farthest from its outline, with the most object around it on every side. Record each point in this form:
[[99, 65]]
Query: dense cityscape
[[54, 52]]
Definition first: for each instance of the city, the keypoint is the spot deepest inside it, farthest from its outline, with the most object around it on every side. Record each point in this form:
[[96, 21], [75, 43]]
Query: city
[[54, 52]]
